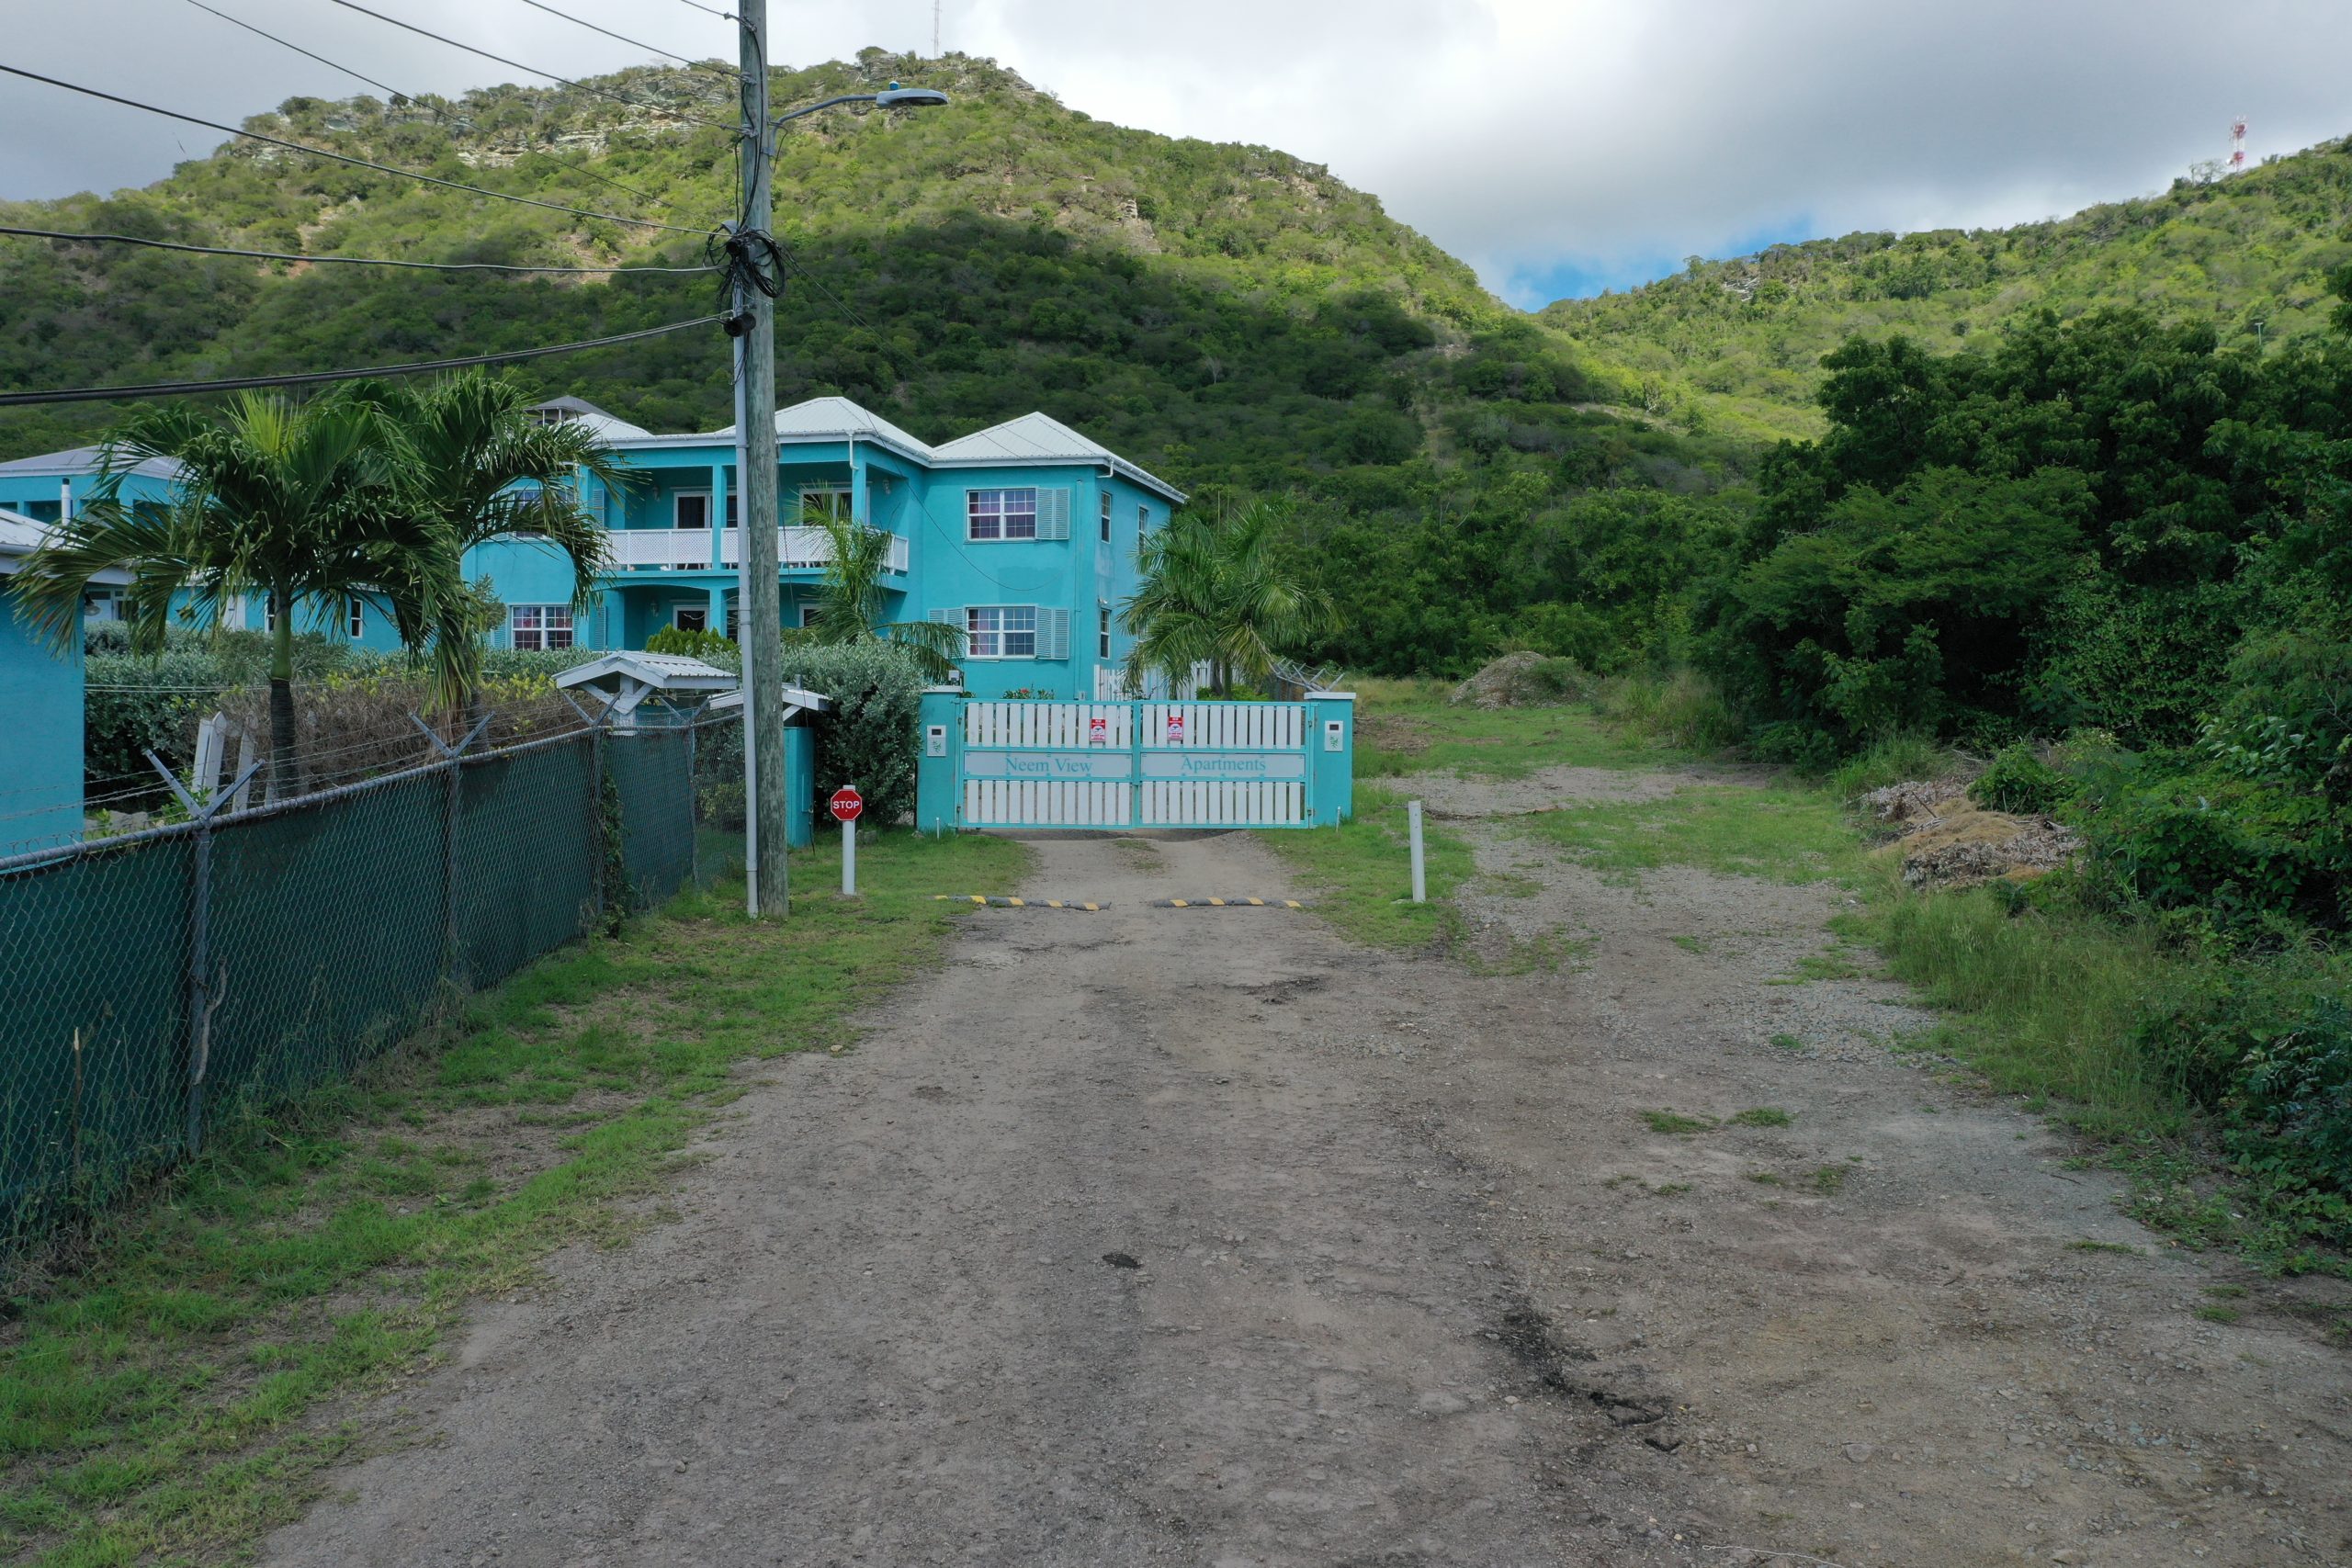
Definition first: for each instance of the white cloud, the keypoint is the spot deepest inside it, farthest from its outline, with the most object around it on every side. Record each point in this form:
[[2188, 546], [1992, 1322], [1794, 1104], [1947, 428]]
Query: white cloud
[[1541, 140]]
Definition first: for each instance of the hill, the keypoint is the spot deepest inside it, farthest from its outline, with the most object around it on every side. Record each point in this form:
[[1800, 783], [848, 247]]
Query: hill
[[1744, 336], [1227, 312]]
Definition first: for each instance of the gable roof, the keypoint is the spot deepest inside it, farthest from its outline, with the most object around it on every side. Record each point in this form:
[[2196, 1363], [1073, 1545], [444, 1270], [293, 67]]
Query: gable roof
[[836, 419], [1042, 438], [611, 428], [79, 460]]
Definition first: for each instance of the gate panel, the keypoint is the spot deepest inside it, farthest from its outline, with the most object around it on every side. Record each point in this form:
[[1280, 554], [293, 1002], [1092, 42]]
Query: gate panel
[[1021, 764]]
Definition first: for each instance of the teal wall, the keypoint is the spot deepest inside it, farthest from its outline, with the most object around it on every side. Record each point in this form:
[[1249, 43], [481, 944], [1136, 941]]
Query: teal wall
[[40, 691]]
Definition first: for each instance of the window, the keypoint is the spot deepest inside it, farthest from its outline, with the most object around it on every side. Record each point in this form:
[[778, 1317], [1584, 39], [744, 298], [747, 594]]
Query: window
[[540, 628], [734, 620], [825, 500], [690, 617], [690, 509], [1102, 629], [269, 613], [355, 616], [808, 613], [1106, 516], [1002, 513], [1001, 631], [1143, 525]]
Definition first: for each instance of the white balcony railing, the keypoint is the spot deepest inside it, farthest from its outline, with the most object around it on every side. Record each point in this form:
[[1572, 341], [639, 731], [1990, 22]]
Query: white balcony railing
[[689, 548]]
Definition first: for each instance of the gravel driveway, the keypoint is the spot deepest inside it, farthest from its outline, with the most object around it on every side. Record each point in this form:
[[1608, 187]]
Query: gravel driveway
[[1203, 1236]]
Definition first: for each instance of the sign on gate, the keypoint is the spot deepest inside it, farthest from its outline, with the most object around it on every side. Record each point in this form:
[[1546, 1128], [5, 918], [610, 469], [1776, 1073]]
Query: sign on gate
[[1143, 764]]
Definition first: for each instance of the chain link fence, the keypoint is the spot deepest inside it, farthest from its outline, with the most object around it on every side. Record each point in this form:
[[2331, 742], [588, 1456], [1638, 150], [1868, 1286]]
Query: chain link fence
[[160, 980]]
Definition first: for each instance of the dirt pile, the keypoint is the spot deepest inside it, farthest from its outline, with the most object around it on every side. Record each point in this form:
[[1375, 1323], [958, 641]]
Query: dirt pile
[[1523, 680], [1948, 841]]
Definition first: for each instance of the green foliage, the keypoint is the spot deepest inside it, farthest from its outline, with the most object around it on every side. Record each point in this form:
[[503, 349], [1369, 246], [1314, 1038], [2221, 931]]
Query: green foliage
[[2022, 784], [870, 738], [1213, 590], [1744, 335], [694, 642]]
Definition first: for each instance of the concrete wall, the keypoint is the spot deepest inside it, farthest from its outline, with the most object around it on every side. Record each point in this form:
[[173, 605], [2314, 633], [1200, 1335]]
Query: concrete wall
[[40, 693]]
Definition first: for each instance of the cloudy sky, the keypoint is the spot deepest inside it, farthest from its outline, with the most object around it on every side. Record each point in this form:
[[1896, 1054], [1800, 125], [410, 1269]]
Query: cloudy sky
[[1560, 146]]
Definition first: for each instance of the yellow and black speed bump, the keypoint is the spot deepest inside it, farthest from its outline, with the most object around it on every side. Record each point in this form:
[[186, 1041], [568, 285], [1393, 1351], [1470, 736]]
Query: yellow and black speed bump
[[997, 901], [1226, 904]]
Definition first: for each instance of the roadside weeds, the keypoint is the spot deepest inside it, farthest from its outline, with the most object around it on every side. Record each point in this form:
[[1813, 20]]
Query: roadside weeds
[[176, 1392]]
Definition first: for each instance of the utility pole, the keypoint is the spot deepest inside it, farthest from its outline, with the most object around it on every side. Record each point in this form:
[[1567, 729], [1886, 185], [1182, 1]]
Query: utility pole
[[767, 894]]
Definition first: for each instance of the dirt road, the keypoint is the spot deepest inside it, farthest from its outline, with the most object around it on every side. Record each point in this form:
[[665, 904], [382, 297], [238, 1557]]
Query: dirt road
[[1203, 1236]]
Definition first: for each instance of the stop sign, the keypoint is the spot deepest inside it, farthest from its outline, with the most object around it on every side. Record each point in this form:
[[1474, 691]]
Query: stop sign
[[846, 804]]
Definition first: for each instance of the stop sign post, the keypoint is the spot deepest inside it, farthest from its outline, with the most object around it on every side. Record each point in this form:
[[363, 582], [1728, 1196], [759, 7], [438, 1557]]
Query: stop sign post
[[847, 804]]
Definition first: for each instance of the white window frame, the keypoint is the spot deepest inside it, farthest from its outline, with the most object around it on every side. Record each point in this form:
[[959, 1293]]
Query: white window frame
[[1102, 629], [678, 610], [1106, 514], [840, 500], [808, 613], [546, 623], [677, 508], [355, 616], [995, 639], [1002, 518]]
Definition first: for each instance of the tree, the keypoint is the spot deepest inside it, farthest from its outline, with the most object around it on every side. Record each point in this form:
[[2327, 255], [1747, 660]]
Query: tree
[[485, 469], [307, 504], [850, 598], [1214, 592]]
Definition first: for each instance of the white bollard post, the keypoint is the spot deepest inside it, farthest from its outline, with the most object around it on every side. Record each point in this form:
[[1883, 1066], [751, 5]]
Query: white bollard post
[[1421, 885], [848, 858]]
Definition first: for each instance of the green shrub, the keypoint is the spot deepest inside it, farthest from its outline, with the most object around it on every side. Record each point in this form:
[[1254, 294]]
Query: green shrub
[[871, 737], [696, 642], [2247, 862], [2022, 784], [2268, 1050]]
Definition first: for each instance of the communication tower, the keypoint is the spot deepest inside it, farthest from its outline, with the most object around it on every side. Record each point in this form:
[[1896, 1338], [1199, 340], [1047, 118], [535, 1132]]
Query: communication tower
[[2237, 144]]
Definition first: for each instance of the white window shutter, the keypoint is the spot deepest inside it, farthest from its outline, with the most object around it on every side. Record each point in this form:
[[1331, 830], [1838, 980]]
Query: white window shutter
[[1053, 515], [1053, 634]]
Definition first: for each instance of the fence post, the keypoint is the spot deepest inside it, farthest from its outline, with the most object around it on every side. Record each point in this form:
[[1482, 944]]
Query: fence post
[[693, 837], [1136, 785], [1330, 742], [455, 756], [937, 784], [201, 1002]]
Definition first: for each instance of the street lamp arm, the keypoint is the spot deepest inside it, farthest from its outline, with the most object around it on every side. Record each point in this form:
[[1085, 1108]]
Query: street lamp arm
[[895, 97], [828, 102]]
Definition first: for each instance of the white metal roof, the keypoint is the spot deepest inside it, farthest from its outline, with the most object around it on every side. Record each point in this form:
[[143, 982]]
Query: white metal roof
[[662, 672], [79, 460], [21, 535], [1042, 438], [836, 418]]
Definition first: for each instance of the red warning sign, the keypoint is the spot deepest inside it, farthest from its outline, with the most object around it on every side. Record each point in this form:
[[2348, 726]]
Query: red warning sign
[[1098, 731], [1175, 730]]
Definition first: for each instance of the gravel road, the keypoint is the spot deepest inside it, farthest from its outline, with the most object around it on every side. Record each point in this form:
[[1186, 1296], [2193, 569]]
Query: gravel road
[[1203, 1236]]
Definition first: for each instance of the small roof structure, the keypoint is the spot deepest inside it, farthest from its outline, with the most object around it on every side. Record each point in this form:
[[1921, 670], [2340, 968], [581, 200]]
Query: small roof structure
[[1042, 438], [838, 419], [622, 681]]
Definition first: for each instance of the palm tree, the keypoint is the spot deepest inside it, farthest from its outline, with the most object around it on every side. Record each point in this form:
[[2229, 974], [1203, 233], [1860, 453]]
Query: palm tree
[[486, 468], [306, 504], [1212, 592], [849, 599]]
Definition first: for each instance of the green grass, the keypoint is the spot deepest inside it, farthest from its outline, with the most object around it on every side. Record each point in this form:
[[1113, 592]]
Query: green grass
[[1407, 727], [158, 1400], [2123, 1248], [1782, 833], [1787, 1042], [1674, 1123], [1762, 1116], [1830, 1180], [1360, 874]]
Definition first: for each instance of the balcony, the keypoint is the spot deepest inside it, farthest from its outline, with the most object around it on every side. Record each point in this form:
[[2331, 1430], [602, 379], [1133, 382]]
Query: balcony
[[688, 549]]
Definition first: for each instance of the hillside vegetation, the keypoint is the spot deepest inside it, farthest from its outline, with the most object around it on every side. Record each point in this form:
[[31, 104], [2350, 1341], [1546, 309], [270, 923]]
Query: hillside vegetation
[[1744, 337]]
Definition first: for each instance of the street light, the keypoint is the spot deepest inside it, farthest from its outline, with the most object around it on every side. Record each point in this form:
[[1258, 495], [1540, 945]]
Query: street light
[[893, 97], [758, 594]]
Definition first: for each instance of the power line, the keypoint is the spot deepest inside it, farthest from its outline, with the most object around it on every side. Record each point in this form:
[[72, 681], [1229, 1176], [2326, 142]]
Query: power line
[[310, 377], [623, 38], [298, 48], [399, 96], [713, 10], [343, 157], [518, 65], [349, 261]]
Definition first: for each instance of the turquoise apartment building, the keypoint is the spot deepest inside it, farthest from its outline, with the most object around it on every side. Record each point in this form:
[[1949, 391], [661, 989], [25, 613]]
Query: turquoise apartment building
[[1025, 535]]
